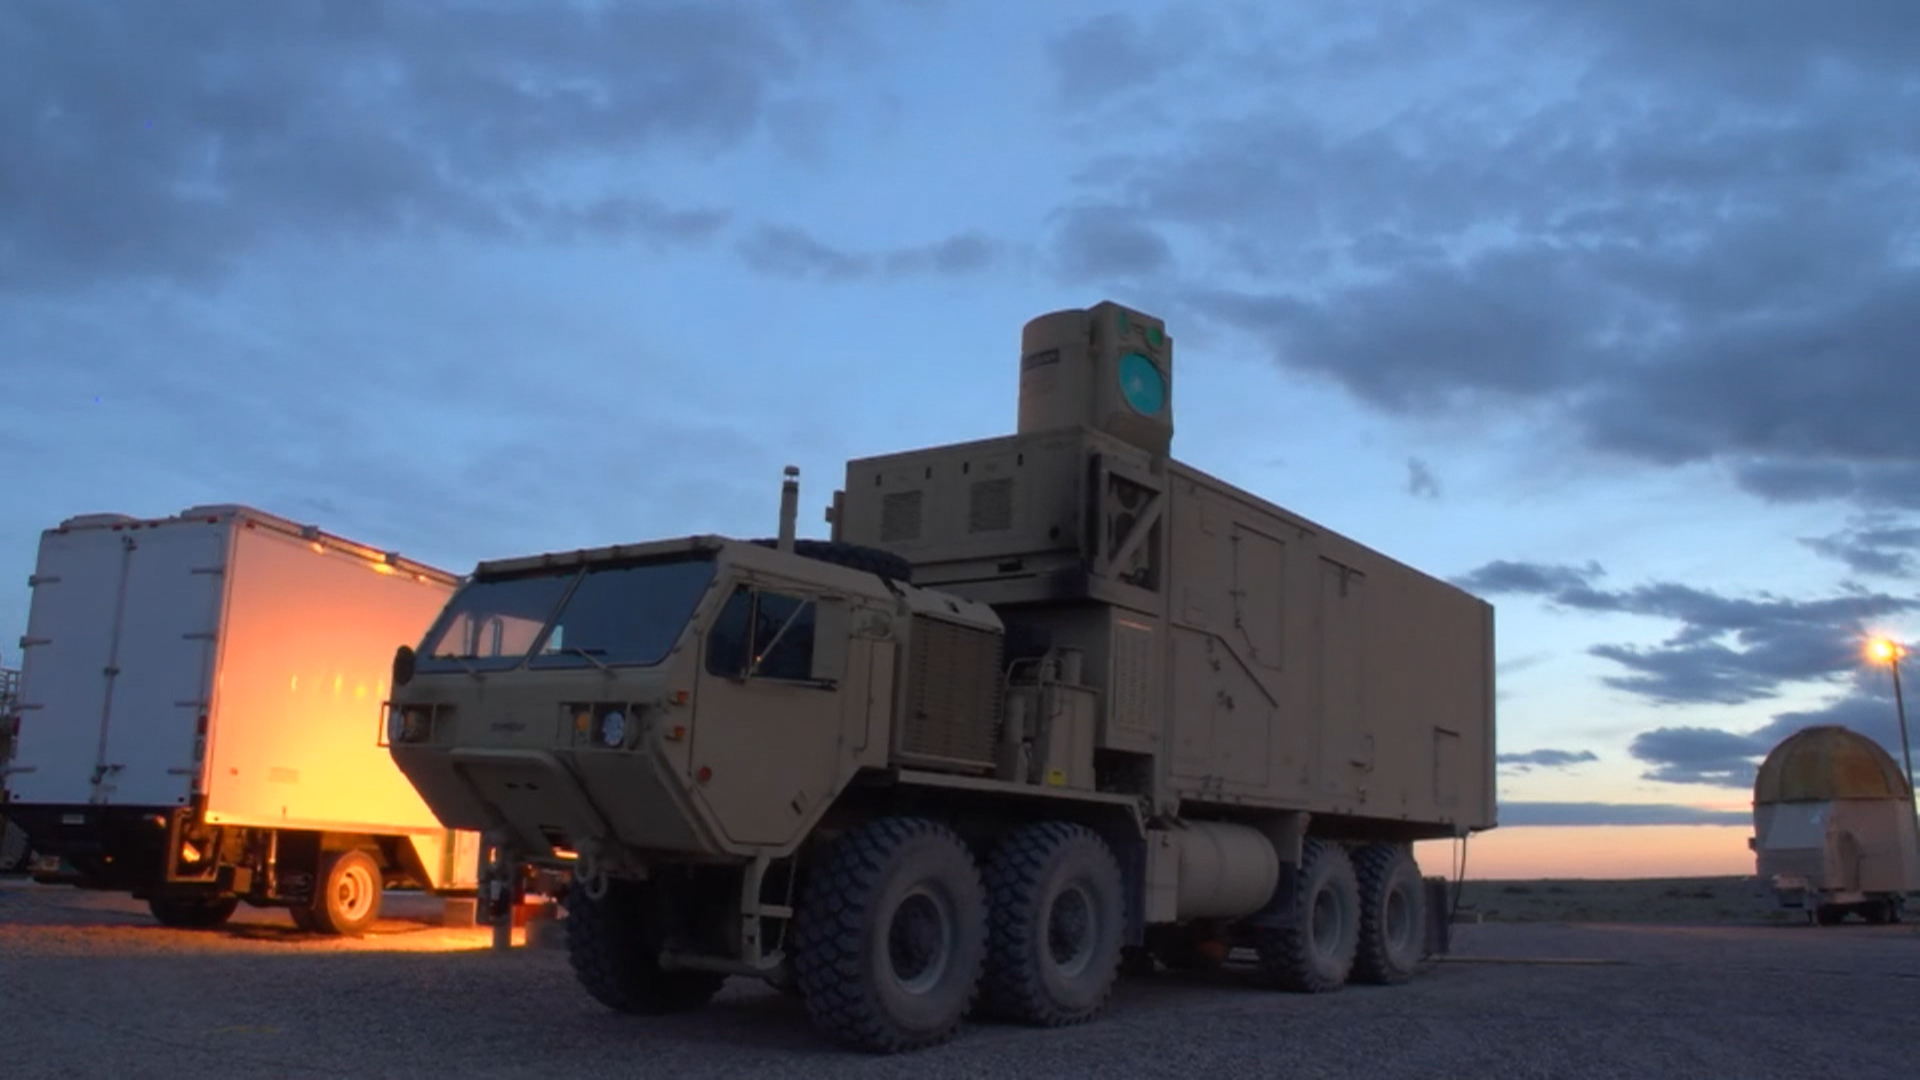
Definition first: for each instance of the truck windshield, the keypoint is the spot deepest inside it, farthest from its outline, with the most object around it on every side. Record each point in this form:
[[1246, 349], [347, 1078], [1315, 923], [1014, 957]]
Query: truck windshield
[[622, 613], [625, 614]]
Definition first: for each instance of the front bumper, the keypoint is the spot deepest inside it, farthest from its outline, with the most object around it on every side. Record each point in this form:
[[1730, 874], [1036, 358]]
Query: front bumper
[[532, 801]]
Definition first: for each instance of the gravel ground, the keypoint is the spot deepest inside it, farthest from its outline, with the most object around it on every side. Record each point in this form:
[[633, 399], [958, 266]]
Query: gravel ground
[[91, 987]]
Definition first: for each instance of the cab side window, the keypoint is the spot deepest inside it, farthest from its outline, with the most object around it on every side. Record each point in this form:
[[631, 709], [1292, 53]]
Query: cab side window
[[727, 642], [763, 634]]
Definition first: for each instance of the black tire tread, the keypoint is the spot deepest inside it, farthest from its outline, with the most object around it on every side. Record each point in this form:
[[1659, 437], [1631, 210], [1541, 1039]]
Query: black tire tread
[[1285, 950], [830, 924], [1371, 867], [615, 960], [1011, 986]]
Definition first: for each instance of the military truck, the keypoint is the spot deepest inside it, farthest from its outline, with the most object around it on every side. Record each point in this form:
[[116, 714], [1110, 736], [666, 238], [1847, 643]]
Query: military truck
[[201, 719], [1039, 707]]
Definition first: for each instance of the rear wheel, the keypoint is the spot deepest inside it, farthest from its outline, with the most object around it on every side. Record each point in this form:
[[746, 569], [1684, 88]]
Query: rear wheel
[[1312, 949], [890, 936], [193, 912], [1058, 910], [613, 945], [1392, 914], [346, 897]]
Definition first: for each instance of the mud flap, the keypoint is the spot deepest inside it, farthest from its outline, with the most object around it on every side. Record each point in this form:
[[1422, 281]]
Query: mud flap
[[1439, 916]]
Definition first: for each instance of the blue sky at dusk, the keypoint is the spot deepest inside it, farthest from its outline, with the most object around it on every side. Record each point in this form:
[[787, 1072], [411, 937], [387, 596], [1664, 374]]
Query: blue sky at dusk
[[1605, 310]]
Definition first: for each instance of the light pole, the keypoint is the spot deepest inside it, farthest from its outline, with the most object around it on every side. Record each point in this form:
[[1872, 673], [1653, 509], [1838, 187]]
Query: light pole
[[1891, 651]]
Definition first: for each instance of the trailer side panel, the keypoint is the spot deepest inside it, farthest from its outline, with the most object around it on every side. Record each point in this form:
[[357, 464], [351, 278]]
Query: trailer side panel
[[305, 660]]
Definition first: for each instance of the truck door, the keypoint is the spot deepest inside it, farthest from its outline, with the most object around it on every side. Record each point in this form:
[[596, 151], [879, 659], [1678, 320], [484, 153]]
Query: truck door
[[767, 736]]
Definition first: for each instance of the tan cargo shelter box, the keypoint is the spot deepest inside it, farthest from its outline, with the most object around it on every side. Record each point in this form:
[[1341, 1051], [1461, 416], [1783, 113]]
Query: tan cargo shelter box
[[1263, 659]]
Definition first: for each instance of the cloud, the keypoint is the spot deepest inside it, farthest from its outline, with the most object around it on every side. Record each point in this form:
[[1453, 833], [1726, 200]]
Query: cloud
[[1696, 755], [1693, 755], [1521, 663], [1421, 483], [1503, 576], [168, 141], [786, 251], [1872, 545], [1681, 232], [1547, 759], [1727, 650], [1092, 243], [1602, 813], [1116, 55]]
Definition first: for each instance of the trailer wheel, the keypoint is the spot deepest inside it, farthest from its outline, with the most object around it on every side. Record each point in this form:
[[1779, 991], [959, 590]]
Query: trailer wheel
[[890, 936], [1058, 916], [346, 897], [1392, 914], [1830, 914], [193, 912], [613, 945], [1312, 949]]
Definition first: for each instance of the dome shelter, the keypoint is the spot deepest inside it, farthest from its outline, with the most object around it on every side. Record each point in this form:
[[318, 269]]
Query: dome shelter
[[1827, 762], [1834, 826]]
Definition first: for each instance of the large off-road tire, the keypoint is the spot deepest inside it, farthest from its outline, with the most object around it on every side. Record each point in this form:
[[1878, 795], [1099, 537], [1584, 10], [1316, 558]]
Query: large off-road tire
[[885, 564], [193, 912], [1312, 950], [346, 894], [613, 944], [1057, 912], [890, 936], [1392, 914]]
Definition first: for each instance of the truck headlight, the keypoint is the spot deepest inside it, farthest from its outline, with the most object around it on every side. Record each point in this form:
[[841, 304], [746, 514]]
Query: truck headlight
[[613, 728], [406, 724]]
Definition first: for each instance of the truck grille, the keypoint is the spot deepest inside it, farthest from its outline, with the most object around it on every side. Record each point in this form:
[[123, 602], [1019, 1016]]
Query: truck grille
[[953, 703]]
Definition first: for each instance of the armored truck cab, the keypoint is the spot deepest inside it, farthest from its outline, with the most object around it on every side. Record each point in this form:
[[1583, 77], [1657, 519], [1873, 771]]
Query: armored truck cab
[[1041, 707]]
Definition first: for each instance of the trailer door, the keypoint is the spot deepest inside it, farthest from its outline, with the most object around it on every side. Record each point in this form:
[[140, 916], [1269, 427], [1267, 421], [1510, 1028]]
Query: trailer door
[[63, 659], [115, 677], [167, 635]]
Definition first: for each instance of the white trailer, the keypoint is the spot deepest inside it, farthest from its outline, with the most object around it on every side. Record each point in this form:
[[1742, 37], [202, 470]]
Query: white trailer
[[202, 708]]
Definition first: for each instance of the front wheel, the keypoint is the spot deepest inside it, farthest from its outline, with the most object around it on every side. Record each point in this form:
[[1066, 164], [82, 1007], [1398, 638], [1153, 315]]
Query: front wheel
[[613, 945], [1058, 925], [890, 936]]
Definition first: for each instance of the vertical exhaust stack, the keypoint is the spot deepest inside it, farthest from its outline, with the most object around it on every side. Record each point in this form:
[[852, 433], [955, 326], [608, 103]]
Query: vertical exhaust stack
[[789, 506]]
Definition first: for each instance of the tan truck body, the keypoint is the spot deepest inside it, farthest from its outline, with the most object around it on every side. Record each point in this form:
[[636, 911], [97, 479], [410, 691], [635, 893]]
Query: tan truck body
[[1055, 682]]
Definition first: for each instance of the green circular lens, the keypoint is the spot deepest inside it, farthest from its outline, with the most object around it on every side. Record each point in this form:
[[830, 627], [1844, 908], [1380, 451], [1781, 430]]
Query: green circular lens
[[1142, 385]]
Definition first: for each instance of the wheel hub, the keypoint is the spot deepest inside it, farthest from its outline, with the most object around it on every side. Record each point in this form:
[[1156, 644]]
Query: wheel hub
[[1072, 928], [920, 940]]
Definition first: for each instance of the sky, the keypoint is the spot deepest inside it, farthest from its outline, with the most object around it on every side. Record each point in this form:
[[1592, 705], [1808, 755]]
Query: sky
[[1605, 311]]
